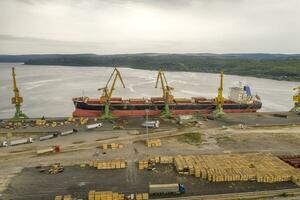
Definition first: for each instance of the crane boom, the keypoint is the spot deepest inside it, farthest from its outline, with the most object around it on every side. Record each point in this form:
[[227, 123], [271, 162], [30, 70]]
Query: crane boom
[[167, 96], [107, 93]]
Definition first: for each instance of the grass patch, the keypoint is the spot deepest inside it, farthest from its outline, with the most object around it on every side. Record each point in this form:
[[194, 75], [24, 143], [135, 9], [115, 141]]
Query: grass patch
[[194, 138], [224, 139]]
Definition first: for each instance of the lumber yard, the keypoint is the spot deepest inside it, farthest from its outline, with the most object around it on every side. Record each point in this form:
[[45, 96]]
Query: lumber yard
[[157, 148]]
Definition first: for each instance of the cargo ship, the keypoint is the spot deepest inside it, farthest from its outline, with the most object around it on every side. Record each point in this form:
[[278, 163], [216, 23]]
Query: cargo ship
[[240, 100]]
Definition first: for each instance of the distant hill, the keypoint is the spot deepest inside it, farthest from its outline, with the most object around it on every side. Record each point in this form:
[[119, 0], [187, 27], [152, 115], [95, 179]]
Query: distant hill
[[274, 66]]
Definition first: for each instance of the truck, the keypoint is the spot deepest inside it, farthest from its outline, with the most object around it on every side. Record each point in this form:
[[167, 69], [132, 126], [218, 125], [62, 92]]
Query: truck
[[93, 126], [174, 188], [47, 137], [151, 124], [3, 144], [68, 132], [21, 141]]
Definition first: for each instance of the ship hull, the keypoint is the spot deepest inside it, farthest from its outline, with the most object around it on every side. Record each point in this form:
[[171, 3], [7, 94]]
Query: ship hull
[[84, 109]]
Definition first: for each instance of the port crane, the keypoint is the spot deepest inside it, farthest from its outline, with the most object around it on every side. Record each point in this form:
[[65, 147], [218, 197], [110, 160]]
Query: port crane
[[107, 92], [219, 100], [296, 99], [167, 96], [17, 100]]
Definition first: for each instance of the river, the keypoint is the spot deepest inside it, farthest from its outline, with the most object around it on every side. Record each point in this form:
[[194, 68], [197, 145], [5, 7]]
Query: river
[[48, 90]]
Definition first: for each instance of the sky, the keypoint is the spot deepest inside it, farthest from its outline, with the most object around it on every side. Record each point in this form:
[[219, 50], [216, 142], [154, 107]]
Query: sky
[[143, 26]]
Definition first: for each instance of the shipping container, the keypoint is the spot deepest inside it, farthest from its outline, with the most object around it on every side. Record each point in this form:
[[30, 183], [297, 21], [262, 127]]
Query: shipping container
[[47, 137], [166, 188], [21, 141]]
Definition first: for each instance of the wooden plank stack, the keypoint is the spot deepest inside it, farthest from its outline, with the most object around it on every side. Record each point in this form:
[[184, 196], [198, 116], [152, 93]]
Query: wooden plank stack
[[105, 195], [108, 164], [143, 164], [237, 167], [153, 143], [111, 146], [142, 196], [66, 197]]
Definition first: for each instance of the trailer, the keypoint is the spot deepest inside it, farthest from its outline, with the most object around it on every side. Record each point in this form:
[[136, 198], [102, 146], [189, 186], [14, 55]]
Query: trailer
[[21, 141], [174, 188], [48, 150], [47, 137], [93, 126], [68, 132], [151, 124]]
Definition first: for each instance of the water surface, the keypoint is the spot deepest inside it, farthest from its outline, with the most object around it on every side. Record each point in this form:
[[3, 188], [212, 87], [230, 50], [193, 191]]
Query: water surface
[[48, 90]]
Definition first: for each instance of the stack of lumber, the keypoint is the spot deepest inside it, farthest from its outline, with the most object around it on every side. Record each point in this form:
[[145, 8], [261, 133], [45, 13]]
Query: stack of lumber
[[153, 143], [142, 196], [108, 164], [66, 197], [237, 167], [143, 164], [105, 195], [111, 146], [166, 159]]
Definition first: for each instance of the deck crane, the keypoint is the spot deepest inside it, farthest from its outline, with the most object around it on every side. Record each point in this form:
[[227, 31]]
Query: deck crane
[[167, 96], [296, 99], [219, 100], [17, 100], [107, 92]]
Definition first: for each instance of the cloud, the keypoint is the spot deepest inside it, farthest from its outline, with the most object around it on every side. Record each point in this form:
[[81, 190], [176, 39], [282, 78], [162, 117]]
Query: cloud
[[124, 26]]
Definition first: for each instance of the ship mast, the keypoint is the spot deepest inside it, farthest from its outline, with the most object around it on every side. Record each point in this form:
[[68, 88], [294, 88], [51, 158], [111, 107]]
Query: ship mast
[[107, 92], [219, 100], [17, 100], [167, 96]]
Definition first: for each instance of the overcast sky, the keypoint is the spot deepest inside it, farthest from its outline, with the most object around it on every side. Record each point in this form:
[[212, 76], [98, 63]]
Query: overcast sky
[[136, 26]]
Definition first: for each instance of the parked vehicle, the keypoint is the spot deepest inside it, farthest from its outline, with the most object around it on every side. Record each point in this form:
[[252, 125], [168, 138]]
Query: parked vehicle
[[93, 126], [68, 132], [3, 144], [151, 124], [175, 188], [47, 137], [21, 141]]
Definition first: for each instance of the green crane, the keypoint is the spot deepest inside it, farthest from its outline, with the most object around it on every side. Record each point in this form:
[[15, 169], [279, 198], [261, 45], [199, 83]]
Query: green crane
[[17, 100], [167, 96], [219, 100]]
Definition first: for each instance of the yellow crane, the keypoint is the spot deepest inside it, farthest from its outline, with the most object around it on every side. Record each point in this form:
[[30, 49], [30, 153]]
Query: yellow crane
[[219, 100], [296, 99], [107, 92], [167, 96], [17, 100]]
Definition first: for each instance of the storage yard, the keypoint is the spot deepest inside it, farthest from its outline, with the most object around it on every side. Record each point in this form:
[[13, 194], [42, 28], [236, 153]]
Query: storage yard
[[221, 156]]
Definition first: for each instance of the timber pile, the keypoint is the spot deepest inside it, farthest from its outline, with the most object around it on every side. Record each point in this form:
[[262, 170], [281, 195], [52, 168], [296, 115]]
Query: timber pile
[[105, 195], [111, 146], [66, 197], [144, 164], [237, 167], [108, 164], [153, 143], [142, 196]]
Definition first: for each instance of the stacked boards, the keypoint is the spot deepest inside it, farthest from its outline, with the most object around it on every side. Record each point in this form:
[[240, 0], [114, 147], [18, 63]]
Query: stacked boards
[[105, 195], [108, 164], [237, 167], [153, 143]]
